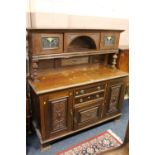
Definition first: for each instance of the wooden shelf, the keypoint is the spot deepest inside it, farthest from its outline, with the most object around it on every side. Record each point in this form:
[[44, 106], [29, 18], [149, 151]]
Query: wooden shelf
[[74, 54]]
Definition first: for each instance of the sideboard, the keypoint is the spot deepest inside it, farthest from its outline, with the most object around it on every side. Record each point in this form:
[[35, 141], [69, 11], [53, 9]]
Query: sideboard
[[74, 82]]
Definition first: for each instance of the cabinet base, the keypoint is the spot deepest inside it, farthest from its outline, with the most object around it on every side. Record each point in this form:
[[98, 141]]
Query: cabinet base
[[46, 144]]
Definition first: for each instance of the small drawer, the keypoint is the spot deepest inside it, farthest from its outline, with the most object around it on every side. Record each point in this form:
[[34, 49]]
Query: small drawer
[[89, 98], [89, 89]]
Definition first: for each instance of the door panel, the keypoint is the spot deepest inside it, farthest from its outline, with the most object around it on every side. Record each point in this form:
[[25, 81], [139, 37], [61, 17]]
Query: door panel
[[88, 114], [58, 110], [115, 95], [58, 114]]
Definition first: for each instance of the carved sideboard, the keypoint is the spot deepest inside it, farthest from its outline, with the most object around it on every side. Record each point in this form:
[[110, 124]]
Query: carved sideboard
[[74, 80]]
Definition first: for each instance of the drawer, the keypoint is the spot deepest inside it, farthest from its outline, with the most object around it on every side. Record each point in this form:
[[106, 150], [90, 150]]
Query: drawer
[[87, 114], [89, 89], [89, 97]]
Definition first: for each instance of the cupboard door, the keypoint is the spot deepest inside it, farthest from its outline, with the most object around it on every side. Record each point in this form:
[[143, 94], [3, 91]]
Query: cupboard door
[[46, 43], [88, 114], [116, 91], [58, 115], [109, 40]]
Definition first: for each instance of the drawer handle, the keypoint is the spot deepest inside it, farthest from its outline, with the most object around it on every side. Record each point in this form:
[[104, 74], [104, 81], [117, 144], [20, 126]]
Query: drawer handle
[[82, 91], [77, 93], [81, 100], [97, 95], [44, 102], [88, 97], [98, 87]]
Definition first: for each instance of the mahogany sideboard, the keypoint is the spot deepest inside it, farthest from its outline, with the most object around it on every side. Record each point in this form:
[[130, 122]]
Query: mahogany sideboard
[[74, 84]]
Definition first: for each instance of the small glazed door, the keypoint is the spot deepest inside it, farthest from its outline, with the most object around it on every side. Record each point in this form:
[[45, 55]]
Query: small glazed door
[[58, 114], [115, 96]]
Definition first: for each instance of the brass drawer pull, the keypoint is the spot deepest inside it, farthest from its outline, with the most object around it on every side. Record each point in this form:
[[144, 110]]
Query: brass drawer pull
[[81, 100], [77, 93], [88, 97], [98, 87], [82, 91], [44, 102], [97, 95]]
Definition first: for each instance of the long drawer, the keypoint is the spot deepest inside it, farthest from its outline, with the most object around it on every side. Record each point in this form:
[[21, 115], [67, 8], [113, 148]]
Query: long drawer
[[89, 89], [99, 95]]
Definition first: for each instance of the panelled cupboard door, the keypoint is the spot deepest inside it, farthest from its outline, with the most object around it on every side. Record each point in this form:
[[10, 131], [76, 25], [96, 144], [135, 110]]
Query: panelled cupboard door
[[87, 114], [115, 96], [58, 114]]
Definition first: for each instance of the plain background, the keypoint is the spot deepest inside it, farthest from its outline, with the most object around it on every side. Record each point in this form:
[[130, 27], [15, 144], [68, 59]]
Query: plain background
[[13, 77]]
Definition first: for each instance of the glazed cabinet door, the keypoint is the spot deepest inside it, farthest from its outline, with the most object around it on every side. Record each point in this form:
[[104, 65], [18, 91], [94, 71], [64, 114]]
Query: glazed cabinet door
[[57, 114], [115, 96]]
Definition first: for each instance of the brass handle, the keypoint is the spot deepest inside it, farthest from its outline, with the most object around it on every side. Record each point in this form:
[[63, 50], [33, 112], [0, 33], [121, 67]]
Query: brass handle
[[82, 91], [81, 100], [98, 87], [97, 95], [44, 102], [88, 97], [77, 93]]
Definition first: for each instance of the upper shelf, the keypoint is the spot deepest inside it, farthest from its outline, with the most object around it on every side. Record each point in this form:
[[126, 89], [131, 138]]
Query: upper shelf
[[74, 54]]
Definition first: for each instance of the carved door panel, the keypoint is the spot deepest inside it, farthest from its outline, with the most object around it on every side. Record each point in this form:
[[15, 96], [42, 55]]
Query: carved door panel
[[58, 116], [115, 98], [87, 114]]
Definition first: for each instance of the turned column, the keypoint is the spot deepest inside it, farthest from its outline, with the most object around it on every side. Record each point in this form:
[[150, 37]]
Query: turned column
[[114, 60], [34, 74]]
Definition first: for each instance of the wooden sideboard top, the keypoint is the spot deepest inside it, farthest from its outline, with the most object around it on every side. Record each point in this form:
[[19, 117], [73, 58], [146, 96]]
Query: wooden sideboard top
[[69, 77]]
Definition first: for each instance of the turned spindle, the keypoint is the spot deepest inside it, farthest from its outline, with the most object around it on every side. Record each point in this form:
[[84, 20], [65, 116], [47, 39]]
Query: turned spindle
[[114, 61]]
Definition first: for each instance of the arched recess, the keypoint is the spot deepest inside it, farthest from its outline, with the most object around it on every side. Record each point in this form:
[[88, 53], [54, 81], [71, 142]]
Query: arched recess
[[82, 43]]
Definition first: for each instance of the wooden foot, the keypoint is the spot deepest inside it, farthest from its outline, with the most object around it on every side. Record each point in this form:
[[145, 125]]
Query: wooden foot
[[45, 147]]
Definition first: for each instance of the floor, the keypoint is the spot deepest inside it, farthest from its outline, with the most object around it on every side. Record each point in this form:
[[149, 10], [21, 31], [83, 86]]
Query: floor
[[117, 126]]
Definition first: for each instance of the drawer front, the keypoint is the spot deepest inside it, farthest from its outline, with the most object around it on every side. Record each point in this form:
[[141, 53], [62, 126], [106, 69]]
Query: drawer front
[[87, 114], [89, 89], [89, 97]]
